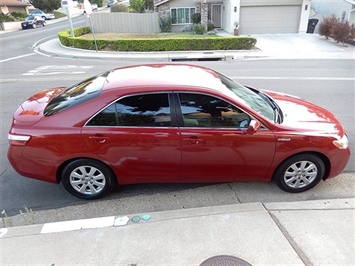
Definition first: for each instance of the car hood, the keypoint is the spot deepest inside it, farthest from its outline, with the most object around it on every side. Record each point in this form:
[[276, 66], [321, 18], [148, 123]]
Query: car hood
[[305, 116], [31, 111]]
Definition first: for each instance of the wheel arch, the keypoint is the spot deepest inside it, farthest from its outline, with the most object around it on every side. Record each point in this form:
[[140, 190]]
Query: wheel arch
[[318, 154], [65, 163]]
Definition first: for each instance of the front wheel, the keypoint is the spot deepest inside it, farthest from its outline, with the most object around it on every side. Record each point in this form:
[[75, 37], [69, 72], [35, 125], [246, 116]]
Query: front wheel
[[299, 173], [87, 179], [34, 26]]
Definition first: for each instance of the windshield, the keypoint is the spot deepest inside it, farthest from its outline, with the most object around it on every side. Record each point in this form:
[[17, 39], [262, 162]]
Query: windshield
[[77, 94], [252, 98], [30, 18]]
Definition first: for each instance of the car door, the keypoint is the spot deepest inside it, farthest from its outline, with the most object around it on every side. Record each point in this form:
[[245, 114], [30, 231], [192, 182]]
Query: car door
[[136, 136], [216, 145]]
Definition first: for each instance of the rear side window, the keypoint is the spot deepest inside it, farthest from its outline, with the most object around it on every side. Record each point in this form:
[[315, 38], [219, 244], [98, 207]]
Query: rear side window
[[75, 95], [147, 110]]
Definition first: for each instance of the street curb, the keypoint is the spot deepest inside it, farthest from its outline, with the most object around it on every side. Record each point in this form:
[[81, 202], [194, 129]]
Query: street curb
[[112, 221]]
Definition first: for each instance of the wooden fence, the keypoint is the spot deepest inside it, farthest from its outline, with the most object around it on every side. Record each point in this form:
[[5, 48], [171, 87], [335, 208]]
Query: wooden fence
[[124, 22]]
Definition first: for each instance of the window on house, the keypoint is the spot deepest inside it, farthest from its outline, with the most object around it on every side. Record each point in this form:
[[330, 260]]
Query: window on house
[[182, 15]]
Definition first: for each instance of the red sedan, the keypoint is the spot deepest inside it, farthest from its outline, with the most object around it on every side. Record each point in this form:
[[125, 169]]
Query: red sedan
[[166, 123]]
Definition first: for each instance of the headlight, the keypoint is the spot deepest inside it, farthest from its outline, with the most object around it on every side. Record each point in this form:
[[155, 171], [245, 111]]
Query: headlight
[[342, 143]]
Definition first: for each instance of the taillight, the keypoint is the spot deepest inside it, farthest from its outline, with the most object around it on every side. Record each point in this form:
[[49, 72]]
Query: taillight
[[18, 139]]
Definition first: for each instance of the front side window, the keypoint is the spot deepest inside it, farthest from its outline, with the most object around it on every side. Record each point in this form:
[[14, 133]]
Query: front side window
[[200, 110], [147, 110], [182, 15]]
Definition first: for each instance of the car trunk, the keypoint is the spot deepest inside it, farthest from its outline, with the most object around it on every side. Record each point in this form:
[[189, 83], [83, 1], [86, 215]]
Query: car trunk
[[31, 111]]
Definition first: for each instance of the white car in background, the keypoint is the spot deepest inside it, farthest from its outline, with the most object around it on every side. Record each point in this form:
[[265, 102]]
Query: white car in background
[[111, 3], [44, 15]]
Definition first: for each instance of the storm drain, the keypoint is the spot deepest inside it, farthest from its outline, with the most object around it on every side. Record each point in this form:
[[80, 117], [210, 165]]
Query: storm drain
[[184, 59], [225, 260], [204, 56]]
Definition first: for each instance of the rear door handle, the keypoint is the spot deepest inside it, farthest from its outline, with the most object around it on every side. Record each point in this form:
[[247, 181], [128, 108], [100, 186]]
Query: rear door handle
[[193, 140], [99, 139]]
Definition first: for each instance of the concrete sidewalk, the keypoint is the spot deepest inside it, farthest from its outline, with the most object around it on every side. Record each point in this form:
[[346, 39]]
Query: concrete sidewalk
[[280, 46], [300, 233]]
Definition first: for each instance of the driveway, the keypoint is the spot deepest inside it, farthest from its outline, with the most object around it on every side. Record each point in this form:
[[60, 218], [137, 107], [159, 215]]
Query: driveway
[[302, 46]]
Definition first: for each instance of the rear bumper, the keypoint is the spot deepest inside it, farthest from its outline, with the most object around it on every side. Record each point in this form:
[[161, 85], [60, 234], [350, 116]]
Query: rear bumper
[[40, 169]]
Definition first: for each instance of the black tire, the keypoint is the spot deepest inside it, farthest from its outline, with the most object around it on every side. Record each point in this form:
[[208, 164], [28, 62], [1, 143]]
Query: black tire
[[44, 18], [87, 179], [299, 173], [43, 23], [34, 26]]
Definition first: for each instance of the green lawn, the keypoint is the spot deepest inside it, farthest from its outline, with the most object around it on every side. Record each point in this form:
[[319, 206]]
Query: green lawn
[[114, 36]]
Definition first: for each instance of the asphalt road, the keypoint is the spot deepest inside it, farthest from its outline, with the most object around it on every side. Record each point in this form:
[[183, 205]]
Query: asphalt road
[[328, 83]]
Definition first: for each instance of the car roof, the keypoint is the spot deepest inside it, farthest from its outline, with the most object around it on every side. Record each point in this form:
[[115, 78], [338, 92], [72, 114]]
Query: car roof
[[171, 75]]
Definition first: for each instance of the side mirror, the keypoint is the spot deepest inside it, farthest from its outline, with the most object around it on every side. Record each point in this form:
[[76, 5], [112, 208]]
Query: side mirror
[[253, 127]]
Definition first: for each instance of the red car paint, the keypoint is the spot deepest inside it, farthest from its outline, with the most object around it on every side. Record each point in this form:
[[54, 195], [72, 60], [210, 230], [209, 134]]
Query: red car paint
[[174, 153]]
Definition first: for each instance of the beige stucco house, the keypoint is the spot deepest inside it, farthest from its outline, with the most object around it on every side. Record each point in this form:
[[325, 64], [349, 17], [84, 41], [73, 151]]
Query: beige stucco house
[[8, 6], [252, 16]]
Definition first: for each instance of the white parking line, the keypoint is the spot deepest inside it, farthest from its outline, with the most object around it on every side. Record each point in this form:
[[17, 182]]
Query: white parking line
[[16, 57], [296, 78], [78, 225]]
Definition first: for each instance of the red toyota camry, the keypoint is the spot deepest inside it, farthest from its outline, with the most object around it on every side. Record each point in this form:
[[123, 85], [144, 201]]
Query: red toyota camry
[[169, 123]]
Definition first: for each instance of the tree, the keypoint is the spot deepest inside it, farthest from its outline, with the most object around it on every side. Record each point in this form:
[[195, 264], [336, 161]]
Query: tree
[[141, 5], [137, 5], [46, 5]]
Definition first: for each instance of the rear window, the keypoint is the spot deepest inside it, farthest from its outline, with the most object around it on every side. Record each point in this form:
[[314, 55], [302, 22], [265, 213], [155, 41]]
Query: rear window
[[75, 95]]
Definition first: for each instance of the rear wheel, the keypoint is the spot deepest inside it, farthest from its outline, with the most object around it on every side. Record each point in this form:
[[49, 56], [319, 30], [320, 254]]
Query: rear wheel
[[299, 173], [87, 179]]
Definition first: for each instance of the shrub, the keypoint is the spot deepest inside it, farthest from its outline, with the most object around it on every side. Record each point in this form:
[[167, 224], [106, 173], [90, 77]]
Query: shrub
[[326, 25], [6, 18], [196, 18], [98, 2], [156, 44], [165, 24], [210, 26], [199, 29], [119, 8], [19, 15], [187, 28], [341, 32]]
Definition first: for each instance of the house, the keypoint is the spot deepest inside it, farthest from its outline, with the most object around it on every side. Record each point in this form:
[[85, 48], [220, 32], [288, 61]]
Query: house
[[9, 6], [252, 16], [344, 10]]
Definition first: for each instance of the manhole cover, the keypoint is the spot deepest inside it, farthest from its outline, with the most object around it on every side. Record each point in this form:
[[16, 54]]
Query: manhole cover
[[225, 260]]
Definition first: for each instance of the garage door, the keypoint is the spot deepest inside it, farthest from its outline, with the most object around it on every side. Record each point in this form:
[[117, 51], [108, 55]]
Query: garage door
[[269, 19]]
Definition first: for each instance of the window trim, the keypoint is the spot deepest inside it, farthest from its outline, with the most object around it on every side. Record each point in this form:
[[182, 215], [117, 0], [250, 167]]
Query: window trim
[[190, 18]]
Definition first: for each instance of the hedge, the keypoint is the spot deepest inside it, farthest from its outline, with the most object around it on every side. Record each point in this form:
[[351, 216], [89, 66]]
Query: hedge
[[155, 44]]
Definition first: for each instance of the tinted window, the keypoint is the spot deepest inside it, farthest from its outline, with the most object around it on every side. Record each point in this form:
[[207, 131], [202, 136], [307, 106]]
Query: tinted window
[[148, 110], [77, 94], [205, 111]]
